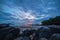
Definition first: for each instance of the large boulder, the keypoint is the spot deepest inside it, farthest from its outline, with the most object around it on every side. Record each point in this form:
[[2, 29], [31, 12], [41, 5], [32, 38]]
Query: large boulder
[[43, 32], [8, 33], [26, 38], [55, 29], [28, 32], [55, 37]]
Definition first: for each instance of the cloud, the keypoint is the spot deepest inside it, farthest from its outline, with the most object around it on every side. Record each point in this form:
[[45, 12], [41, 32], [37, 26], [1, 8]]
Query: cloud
[[19, 15], [25, 10]]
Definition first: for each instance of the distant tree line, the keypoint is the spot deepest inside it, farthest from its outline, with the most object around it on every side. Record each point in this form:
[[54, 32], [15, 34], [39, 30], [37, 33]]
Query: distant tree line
[[52, 21]]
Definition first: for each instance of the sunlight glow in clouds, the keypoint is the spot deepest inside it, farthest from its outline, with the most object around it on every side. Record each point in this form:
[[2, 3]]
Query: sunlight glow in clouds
[[26, 17], [20, 14]]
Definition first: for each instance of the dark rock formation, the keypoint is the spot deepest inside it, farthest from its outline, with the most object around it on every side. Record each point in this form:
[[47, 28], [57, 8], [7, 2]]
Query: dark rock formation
[[8, 33], [55, 37]]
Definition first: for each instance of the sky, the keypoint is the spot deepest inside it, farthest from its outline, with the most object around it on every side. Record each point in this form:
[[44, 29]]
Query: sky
[[22, 12]]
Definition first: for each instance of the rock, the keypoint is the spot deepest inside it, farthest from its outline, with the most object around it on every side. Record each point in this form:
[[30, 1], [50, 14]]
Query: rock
[[9, 33], [43, 32], [26, 38], [43, 39], [23, 38], [55, 37]]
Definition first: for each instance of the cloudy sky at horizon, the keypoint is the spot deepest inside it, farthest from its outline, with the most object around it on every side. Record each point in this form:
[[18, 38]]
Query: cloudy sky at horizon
[[28, 11]]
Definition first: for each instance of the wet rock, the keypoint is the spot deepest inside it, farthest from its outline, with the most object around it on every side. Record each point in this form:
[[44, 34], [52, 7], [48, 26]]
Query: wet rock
[[9, 33], [55, 37], [43, 32]]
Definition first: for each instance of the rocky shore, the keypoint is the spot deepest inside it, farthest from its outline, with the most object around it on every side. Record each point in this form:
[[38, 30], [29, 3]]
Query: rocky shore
[[43, 33]]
